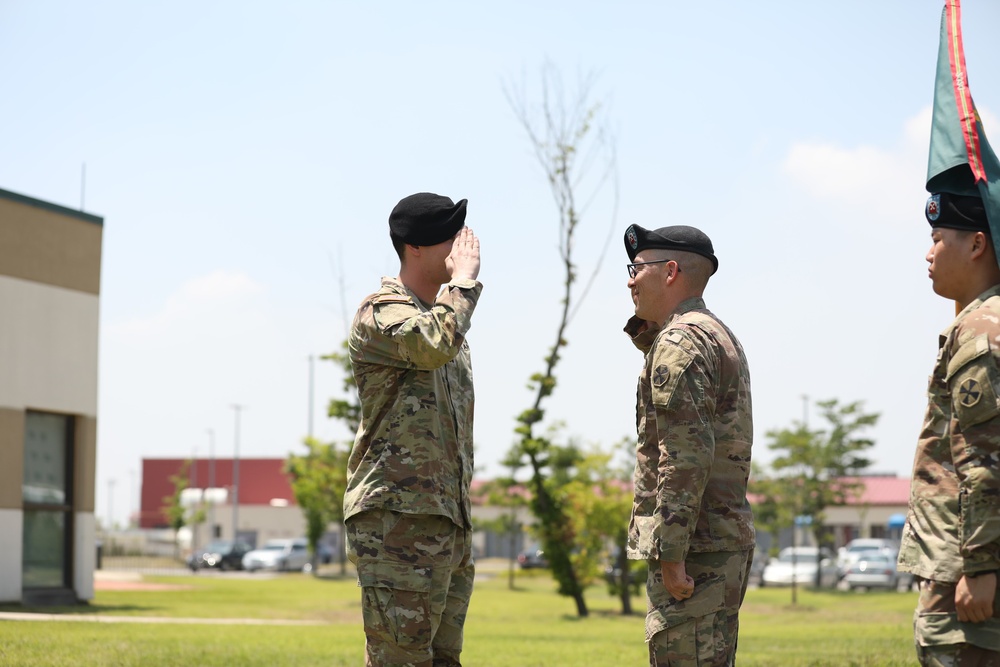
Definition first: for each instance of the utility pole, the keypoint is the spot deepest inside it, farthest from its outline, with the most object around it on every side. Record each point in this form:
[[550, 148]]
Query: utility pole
[[135, 506], [111, 504], [211, 484], [236, 472], [311, 384], [193, 484]]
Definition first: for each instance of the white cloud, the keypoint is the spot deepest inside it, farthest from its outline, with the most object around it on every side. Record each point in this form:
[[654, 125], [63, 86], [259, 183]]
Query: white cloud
[[882, 179], [210, 296]]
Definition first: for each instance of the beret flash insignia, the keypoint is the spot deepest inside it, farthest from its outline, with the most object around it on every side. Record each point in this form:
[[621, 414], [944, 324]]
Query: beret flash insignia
[[933, 207], [631, 237]]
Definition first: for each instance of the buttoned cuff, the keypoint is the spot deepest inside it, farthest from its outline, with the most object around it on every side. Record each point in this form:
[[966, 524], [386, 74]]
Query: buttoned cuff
[[464, 283]]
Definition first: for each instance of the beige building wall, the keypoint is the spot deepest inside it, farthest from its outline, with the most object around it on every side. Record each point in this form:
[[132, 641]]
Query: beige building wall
[[268, 522], [50, 273]]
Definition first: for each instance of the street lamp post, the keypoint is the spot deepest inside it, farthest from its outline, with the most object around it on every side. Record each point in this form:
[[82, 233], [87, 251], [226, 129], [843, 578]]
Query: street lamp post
[[111, 504], [311, 400], [236, 472], [211, 483]]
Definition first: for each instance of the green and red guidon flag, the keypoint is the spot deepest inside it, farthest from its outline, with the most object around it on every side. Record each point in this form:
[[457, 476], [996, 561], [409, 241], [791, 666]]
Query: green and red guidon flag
[[961, 161]]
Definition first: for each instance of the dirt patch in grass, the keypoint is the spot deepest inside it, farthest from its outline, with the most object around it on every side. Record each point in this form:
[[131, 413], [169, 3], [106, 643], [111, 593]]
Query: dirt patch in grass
[[119, 585]]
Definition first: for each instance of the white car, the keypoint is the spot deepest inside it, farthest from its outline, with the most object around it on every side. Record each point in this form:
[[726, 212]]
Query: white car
[[279, 555], [799, 564]]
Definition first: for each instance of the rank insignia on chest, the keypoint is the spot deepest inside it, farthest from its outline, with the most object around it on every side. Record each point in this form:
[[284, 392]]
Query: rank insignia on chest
[[969, 393], [660, 375]]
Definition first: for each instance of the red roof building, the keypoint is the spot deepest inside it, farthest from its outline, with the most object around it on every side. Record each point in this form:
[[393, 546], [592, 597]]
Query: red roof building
[[261, 482]]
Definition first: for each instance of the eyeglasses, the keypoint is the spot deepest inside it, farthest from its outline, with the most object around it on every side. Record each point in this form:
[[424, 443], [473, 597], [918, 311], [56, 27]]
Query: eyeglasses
[[632, 272]]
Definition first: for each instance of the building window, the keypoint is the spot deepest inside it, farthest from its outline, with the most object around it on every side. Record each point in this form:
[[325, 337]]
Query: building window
[[47, 494]]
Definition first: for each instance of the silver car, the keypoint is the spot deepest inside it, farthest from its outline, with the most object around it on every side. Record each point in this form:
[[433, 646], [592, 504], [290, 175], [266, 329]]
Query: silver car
[[280, 556], [873, 570]]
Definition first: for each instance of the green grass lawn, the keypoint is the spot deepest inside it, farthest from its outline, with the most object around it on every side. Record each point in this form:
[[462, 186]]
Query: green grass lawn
[[521, 628]]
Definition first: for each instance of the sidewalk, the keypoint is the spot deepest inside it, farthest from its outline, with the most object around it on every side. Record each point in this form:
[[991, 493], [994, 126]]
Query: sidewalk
[[95, 618]]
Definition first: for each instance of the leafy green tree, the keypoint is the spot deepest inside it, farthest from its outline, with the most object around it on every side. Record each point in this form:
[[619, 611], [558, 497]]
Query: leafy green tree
[[813, 467], [509, 494], [568, 139], [601, 499], [319, 480], [775, 500], [319, 477], [178, 515]]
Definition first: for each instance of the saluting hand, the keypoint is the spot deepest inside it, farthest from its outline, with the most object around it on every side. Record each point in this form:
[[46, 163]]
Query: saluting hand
[[463, 262]]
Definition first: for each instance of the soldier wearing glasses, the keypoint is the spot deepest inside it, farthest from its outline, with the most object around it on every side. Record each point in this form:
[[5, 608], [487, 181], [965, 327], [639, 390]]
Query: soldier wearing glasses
[[690, 518]]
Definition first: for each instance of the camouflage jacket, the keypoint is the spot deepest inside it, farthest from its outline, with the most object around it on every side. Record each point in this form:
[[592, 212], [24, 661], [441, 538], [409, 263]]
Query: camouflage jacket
[[695, 431], [953, 524], [413, 450]]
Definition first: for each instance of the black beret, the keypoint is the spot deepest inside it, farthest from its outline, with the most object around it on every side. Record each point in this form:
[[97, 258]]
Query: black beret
[[677, 237], [944, 209], [426, 219]]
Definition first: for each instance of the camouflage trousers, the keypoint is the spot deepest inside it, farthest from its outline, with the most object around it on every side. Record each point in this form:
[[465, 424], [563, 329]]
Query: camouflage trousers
[[944, 641], [415, 572], [702, 630]]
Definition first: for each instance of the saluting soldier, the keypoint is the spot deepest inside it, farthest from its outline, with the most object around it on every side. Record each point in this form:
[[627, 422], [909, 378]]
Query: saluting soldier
[[690, 519], [407, 505]]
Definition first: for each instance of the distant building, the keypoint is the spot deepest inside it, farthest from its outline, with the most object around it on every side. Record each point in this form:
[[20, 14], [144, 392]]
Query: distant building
[[266, 506], [879, 510], [50, 283]]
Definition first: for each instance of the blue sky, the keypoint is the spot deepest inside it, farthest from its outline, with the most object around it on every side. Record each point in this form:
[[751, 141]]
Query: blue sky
[[245, 157]]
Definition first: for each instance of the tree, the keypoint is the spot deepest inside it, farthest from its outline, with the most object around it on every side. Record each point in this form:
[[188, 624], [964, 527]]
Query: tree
[[774, 506], [319, 477], [600, 496], [178, 515], [813, 468], [568, 140], [319, 480]]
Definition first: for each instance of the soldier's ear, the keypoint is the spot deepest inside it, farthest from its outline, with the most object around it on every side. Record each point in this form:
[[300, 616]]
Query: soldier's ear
[[979, 244]]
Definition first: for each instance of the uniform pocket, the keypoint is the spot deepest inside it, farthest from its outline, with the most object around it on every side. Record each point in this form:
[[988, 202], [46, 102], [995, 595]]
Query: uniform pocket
[[396, 603], [708, 599]]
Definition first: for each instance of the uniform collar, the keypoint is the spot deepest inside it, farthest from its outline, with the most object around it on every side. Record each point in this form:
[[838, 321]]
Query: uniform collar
[[686, 306]]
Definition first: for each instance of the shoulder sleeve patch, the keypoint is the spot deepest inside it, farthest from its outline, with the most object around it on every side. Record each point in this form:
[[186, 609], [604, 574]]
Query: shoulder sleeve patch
[[392, 309], [973, 377], [667, 367], [968, 351]]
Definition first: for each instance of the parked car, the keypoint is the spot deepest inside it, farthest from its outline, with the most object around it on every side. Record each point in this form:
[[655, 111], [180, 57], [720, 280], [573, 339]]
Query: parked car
[[221, 554], [280, 556], [850, 553], [799, 563], [873, 570], [757, 566], [532, 559]]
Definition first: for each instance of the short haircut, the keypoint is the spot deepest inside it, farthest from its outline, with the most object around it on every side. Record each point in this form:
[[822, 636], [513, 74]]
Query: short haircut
[[697, 267], [399, 245]]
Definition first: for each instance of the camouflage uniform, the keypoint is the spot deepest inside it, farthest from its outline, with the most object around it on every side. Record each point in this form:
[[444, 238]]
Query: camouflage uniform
[[407, 500], [695, 431], [953, 524]]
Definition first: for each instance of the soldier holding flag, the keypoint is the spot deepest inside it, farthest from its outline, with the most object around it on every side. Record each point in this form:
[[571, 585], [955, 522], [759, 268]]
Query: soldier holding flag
[[951, 540]]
